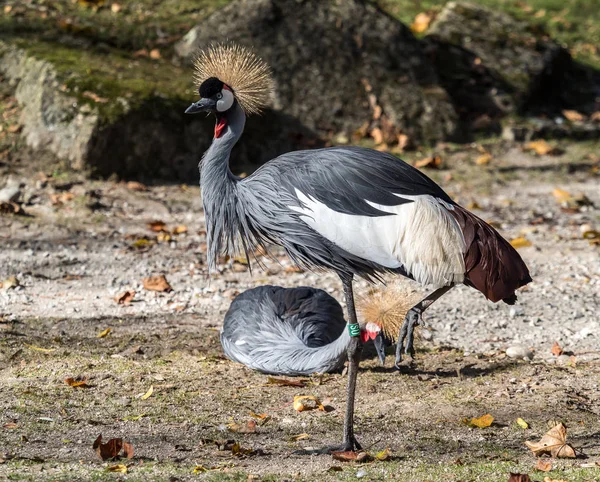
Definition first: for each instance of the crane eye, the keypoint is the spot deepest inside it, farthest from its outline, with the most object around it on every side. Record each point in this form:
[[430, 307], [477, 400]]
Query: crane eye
[[225, 100]]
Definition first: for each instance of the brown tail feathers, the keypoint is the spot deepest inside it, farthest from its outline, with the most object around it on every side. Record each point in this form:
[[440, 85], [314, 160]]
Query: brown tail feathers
[[492, 265]]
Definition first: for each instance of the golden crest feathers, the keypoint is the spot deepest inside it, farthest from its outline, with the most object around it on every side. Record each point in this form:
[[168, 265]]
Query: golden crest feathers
[[387, 308], [241, 69]]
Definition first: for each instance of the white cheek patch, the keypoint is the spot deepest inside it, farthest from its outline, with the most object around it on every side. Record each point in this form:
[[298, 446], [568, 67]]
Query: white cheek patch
[[226, 101]]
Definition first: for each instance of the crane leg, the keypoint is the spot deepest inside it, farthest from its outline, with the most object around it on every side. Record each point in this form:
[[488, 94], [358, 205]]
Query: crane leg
[[411, 320], [354, 354]]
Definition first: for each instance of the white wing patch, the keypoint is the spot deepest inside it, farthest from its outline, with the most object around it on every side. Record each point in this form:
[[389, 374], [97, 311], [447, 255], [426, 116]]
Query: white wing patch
[[421, 236]]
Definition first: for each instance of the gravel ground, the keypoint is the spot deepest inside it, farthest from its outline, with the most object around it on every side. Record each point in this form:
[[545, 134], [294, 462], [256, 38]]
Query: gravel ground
[[76, 250]]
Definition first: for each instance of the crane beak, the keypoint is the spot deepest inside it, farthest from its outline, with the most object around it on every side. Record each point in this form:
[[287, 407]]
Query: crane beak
[[379, 343], [202, 105]]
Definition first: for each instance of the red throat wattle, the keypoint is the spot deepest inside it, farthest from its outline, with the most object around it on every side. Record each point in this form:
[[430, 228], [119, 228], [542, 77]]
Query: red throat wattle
[[220, 126], [366, 335]]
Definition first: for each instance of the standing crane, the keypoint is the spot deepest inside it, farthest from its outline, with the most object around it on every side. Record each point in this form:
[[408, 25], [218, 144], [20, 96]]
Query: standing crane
[[300, 331], [357, 211]]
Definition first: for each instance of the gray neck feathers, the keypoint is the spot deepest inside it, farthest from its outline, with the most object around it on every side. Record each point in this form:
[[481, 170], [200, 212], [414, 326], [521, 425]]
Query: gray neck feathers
[[225, 225]]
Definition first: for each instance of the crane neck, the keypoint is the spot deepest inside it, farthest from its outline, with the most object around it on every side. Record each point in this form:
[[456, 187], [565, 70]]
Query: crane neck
[[218, 186], [216, 159]]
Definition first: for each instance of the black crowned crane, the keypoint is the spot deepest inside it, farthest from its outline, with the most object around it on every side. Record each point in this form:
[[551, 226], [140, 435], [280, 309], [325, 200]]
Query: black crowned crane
[[356, 211], [300, 331]]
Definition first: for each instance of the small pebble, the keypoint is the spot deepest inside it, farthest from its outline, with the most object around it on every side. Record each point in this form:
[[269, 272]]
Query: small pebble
[[519, 352]]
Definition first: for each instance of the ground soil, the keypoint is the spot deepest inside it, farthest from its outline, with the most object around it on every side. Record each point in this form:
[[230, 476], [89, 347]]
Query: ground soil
[[78, 246]]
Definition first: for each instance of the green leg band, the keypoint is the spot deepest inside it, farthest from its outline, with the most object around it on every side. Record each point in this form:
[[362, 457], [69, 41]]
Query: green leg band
[[354, 329]]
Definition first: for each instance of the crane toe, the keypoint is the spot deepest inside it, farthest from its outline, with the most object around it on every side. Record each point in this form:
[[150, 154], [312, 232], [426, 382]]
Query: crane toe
[[406, 335]]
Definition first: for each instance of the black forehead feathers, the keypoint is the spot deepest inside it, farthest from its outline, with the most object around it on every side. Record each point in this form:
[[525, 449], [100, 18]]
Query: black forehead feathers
[[210, 87]]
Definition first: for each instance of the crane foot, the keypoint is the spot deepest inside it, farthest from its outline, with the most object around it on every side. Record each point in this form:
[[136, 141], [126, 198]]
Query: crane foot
[[351, 446], [407, 334]]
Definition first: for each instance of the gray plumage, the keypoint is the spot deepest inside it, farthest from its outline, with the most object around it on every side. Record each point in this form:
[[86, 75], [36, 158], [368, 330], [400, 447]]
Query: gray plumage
[[243, 214], [286, 331]]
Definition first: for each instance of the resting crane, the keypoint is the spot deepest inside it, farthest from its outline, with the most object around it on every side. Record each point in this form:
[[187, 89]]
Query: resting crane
[[357, 211], [301, 331]]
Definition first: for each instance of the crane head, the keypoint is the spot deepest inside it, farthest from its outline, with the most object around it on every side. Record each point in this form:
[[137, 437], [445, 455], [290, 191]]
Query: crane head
[[383, 311], [229, 73], [372, 331]]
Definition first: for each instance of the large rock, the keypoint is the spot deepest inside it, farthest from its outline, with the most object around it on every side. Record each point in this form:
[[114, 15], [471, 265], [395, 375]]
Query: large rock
[[50, 119], [491, 63], [335, 62]]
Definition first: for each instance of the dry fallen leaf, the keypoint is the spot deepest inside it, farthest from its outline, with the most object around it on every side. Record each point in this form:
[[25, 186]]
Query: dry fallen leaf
[[542, 148], [43, 350], [384, 454], [421, 22], [554, 442], [522, 423], [155, 54], [556, 349], [136, 186], [128, 450], [163, 237], [259, 416], [403, 142], [10, 425], [10, 282], [481, 422], [561, 195], [157, 283], [433, 162], [377, 135], [148, 393], [142, 244], [519, 478], [573, 115], [302, 436], [95, 97], [158, 226], [120, 468], [520, 242], [180, 229], [484, 159], [548, 479], [125, 298], [109, 450], [284, 382], [104, 333], [543, 465], [351, 456], [303, 403], [236, 427], [77, 382]]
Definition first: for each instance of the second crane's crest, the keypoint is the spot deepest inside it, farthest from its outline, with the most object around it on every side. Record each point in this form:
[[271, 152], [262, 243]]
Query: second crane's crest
[[240, 69]]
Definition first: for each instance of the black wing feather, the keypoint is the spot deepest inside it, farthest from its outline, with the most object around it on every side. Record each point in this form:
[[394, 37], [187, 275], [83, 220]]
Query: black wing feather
[[345, 178]]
